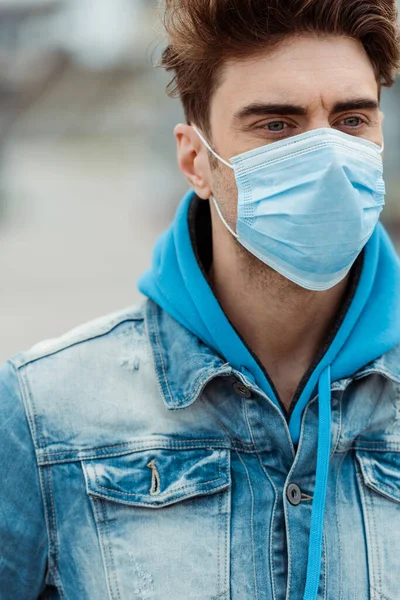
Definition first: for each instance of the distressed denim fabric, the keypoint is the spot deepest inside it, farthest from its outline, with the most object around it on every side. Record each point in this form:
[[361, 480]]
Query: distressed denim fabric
[[136, 464]]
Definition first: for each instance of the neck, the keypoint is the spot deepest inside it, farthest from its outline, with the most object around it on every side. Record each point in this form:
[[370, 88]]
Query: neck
[[284, 325]]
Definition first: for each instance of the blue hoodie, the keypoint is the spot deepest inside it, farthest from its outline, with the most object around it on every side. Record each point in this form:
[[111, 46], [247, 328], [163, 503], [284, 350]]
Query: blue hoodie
[[370, 328]]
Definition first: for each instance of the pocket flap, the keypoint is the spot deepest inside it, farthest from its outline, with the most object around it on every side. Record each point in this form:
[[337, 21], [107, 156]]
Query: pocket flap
[[157, 478], [381, 471]]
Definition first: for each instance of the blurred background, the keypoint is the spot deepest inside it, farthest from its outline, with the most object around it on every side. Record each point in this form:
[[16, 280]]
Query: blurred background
[[88, 175]]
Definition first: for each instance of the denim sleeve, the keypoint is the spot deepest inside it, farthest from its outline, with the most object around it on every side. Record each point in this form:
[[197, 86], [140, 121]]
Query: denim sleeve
[[23, 535]]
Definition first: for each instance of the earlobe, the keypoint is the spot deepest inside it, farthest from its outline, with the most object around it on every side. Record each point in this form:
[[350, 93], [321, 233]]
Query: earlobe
[[192, 160]]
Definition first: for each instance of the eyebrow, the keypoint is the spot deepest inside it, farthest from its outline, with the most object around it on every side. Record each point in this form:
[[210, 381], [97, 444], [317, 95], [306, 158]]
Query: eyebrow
[[261, 110], [357, 104]]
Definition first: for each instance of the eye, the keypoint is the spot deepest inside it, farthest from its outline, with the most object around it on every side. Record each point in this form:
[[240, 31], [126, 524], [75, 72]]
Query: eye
[[276, 126], [353, 122]]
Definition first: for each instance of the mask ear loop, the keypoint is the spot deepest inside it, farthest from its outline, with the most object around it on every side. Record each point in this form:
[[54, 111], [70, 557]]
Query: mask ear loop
[[223, 219], [207, 145], [217, 208]]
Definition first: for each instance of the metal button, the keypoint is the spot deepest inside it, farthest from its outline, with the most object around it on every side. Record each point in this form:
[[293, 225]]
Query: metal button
[[293, 494], [241, 389]]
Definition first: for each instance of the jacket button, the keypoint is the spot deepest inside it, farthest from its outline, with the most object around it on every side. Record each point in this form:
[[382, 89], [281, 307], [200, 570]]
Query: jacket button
[[241, 389], [293, 494]]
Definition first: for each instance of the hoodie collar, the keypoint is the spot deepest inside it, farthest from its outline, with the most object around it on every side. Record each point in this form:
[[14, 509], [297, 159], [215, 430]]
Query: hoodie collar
[[371, 327], [172, 344]]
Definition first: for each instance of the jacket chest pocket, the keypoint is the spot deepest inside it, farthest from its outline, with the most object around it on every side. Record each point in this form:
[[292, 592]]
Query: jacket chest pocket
[[379, 486], [163, 519]]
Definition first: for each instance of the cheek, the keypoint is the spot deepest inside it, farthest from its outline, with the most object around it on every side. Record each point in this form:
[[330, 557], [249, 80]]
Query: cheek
[[374, 133], [378, 137], [226, 192]]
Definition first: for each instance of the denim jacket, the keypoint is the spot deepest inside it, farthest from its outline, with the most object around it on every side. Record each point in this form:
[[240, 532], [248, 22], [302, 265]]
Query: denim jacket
[[137, 465]]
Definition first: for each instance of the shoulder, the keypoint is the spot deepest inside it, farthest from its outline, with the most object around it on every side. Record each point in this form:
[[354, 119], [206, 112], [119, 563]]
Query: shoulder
[[9, 391], [85, 337], [85, 388]]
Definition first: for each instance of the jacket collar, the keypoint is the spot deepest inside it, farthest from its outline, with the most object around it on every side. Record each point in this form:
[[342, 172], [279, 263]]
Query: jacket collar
[[184, 365]]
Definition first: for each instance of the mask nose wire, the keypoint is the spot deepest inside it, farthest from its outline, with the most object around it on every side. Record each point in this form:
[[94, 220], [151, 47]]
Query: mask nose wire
[[207, 145]]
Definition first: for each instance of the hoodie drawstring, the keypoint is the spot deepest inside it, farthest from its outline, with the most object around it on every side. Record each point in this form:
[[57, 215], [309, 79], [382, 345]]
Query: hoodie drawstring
[[321, 483]]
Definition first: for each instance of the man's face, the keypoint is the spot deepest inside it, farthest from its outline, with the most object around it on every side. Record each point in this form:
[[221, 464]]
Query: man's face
[[306, 83]]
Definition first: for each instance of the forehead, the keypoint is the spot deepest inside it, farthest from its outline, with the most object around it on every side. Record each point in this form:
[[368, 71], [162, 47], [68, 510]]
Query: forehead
[[307, 70]]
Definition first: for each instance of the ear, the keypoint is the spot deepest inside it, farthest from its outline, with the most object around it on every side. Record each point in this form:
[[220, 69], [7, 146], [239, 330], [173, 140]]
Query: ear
[[193, 160]]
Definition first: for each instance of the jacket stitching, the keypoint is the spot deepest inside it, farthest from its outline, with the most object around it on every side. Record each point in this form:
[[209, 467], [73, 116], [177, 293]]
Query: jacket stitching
[[222, 595], [33, 418], [251, 522], [377, 486], [80, 456], [371, 446], [383, 489], [114, 574], [375, 541], [43, 475], [140, 445], [54, 528], [338, 525], [95, 504], [169, 501], [372, 442], [46, 516], [163, 494], [369, 535], [271, 554], [381, 596], [148, 318], [153, 315], [387, 447], [219, 541], [227, 526], [23, 359], [110, 564]]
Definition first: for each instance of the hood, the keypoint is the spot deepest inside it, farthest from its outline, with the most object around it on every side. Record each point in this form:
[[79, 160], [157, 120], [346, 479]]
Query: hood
[[370, 328]]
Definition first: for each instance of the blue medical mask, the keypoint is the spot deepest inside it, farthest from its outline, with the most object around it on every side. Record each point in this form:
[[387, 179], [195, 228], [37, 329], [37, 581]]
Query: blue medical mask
[[308, 204]]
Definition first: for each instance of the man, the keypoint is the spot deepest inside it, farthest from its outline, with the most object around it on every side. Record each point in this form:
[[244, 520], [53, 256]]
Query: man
[[237, 435]]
